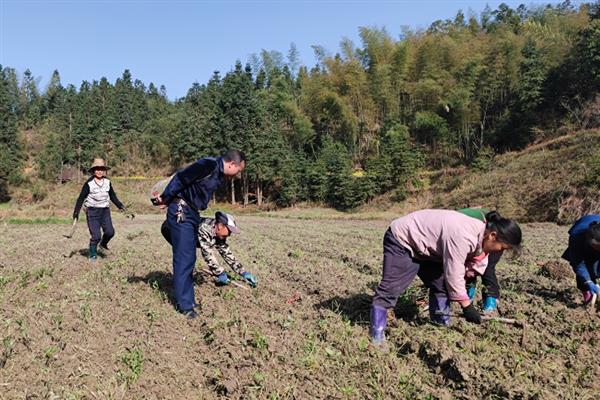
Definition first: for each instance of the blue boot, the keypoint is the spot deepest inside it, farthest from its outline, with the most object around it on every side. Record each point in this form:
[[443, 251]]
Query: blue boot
[[439, 309], [490, 304], [378, 324], [93, 252]]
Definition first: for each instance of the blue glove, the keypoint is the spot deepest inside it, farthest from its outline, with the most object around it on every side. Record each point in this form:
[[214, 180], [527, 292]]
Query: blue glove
[[222, 279], [593, 287], [251, 279]]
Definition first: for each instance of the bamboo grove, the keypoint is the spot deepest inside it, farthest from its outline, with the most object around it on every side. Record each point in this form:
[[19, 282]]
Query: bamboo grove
[[360, 122]]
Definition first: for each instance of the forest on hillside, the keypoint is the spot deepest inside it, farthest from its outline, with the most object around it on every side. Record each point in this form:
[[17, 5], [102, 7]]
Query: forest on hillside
[[359, 123]]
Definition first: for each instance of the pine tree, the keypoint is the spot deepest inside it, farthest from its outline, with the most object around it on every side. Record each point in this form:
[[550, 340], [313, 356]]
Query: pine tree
[[31, 102], [10, 147]]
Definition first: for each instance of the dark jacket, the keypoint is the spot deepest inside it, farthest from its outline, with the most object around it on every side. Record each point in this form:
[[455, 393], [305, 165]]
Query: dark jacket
[[196, 183], [582, 257]]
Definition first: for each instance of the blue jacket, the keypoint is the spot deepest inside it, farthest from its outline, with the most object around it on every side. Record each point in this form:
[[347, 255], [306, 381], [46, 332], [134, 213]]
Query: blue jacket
[[196, 183], [582, 257]]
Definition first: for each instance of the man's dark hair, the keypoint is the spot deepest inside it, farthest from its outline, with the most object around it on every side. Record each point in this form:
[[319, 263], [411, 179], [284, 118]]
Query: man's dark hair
[[236, 156], [508, 231]]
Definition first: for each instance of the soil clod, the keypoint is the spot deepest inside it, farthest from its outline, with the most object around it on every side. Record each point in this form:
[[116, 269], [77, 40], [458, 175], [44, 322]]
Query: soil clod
[[556, 269]]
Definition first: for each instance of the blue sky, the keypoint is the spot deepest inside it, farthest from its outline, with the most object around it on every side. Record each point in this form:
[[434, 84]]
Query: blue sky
[[177, 43]]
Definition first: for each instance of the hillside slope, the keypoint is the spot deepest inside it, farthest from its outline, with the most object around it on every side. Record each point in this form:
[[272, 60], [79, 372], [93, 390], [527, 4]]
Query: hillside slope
[[544, 182]]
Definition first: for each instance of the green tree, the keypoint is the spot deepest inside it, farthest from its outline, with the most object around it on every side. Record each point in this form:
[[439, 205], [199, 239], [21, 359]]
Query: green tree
[[31, 103], [10, 146]]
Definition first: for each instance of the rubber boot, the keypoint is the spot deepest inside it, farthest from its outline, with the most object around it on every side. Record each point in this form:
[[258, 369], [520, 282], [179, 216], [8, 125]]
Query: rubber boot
[[439, 309], [104, 247], [378, 324], [93, 252], [490, 304]]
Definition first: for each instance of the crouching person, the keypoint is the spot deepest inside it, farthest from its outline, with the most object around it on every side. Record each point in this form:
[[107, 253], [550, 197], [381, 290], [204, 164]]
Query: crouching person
[[213, 234], [442, 247], [583, 254], [489, 279]]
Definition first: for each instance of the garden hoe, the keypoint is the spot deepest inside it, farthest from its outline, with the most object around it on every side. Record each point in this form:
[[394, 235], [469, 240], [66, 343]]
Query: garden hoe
[[510, 321], [127, 213], [70, 235]]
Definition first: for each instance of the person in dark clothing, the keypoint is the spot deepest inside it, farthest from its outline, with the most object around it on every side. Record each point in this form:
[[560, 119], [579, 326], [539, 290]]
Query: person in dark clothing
[[491, 287], [489, 279], [96, 195], [188, 193], [583, 253]]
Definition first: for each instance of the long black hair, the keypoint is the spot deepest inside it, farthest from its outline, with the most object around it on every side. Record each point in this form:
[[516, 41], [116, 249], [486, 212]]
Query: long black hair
[[507, 230], [592, 235]]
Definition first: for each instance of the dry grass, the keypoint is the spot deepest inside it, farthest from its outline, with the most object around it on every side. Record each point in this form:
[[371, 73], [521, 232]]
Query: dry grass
[[545, 182]]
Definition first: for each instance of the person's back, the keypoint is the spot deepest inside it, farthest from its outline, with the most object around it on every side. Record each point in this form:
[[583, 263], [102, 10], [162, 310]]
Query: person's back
[[583, 223], [426, 232], [195, 183]]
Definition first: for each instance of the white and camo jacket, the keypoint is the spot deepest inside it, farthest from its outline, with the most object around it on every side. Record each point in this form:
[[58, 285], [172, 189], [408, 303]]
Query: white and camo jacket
[[208, 241]]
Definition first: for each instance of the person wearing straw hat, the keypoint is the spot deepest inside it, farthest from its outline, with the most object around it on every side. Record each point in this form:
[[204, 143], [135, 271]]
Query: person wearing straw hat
[[96, 195]]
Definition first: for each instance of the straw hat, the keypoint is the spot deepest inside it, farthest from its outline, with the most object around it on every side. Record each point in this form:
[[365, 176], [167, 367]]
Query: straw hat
[[99, 164]]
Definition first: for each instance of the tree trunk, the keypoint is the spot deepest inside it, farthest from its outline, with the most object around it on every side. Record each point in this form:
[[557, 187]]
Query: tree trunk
[[245, 189], [258, 193], [79, 164], [233, 191]]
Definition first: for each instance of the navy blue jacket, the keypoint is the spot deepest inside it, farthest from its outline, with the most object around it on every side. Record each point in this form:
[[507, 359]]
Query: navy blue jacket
[[582, 257], [196, 183]]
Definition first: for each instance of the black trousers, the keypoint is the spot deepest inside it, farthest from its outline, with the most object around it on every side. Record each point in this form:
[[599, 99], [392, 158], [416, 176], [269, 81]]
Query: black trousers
[[100, 225]]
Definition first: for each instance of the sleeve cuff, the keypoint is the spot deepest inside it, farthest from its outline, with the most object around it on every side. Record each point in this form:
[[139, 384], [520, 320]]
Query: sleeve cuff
[[459, 297]]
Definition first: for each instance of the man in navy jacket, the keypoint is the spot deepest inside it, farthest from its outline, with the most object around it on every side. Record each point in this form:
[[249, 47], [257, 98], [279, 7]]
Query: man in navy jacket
[[188, 193], [583, 254]]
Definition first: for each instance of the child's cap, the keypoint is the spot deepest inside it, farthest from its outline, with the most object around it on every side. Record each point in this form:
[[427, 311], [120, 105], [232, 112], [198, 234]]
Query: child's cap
[[228, 221]]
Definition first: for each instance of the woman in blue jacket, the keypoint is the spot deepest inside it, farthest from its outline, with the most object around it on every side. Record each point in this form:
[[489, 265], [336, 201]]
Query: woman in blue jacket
[[583, 254]]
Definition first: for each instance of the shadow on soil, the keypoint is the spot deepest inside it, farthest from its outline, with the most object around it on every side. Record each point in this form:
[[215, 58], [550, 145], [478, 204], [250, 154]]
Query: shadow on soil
[[83, 253], [157, 280], [562, 296], [162, 281], [357, 308]]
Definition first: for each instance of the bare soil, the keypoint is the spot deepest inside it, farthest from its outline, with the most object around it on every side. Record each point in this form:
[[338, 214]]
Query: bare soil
[[72, 329]]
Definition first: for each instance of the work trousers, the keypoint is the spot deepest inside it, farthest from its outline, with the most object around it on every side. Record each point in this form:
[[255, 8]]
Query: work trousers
[[100, 225], [184, 235], [400, 269]]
